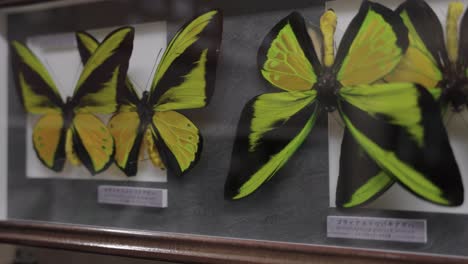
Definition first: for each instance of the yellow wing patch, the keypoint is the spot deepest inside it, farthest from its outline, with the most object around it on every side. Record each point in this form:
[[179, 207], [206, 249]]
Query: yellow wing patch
[[373, 53], [286, 66], [417, 65], [124, 129], [179, 134], [47, 134], [96, 139]]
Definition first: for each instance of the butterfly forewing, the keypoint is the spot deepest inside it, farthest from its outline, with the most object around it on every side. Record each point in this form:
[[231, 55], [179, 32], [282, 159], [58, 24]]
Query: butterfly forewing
[[37, 90], [286, 57], [186, 74], [104, 73], [87, 45]]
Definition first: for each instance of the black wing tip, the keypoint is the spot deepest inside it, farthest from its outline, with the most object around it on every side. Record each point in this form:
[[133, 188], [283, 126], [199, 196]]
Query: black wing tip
[[130, 171], [230, 193]]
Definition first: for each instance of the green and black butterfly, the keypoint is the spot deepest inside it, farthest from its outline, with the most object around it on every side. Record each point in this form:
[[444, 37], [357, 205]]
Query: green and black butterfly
[[184, 79], [274, 125], [70, 129], [439, 65]]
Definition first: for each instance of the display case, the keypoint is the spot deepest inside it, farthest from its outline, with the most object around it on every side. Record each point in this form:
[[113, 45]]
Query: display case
[[204, 131]]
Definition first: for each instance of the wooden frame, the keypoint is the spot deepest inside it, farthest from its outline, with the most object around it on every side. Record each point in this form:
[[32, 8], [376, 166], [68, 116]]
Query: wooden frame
[[187, 248], [191, 248]]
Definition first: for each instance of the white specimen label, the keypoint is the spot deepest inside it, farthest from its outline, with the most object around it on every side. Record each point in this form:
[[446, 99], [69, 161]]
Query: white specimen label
[[135, 196], [373, 228]]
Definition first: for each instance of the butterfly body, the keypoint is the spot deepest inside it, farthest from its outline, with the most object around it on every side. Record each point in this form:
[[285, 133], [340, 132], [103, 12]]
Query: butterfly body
[[327, 88], [454, 90], [145, 110]]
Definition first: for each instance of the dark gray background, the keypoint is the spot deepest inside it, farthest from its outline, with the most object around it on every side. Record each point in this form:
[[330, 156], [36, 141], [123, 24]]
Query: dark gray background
[[292, 207]]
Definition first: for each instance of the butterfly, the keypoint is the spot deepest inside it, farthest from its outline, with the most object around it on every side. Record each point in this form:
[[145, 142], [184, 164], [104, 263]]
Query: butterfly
[[430, 61], [184, 79], [70, 129], [273, 126], [431, 66]]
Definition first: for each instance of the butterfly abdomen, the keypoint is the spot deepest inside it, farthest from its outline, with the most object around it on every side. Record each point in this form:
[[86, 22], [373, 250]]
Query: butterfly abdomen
[[153, 152]]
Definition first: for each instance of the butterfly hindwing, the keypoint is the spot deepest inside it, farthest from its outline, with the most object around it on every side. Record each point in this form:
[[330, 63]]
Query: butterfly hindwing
[[371, 47], [286, 57], [177, 139], [271, 128], [420, 157], [185, 77], [49, 141], [92, 142], [360, 179], [127, 131]]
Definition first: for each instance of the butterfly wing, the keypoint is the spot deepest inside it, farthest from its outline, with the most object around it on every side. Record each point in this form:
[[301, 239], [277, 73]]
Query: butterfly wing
[[36, 89], [39, 95], [186, 75], [271, 128], [92, 142], [360, 180], [103, 75], [177, 139], [87, 45], [286, 58], [371, 47], [426, 54], [420, 157], [125, 126]]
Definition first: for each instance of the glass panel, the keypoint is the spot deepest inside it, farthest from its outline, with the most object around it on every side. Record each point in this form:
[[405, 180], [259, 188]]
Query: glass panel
[[289, 166]]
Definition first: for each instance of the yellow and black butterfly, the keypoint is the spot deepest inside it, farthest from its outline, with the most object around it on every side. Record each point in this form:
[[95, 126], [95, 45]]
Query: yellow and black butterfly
[[274, 125], [70, 130], [184, 79], [430, 61]]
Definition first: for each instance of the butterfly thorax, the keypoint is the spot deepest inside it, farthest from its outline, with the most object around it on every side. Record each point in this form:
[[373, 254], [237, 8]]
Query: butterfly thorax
[[327, 90], [145, 110], [68, 112], [455, 89]]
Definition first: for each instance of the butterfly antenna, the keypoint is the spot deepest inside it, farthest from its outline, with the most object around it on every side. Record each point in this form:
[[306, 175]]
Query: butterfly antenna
[[135, 84], [153, 69]]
